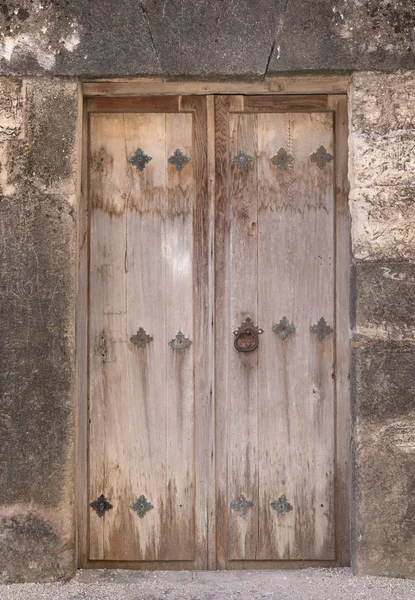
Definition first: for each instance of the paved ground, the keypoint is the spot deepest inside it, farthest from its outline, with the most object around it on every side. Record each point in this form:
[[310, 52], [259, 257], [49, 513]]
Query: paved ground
[[308, 584]]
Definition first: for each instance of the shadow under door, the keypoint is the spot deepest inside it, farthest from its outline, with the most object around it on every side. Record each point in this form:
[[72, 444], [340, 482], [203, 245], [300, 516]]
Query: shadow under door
[[217, 429]]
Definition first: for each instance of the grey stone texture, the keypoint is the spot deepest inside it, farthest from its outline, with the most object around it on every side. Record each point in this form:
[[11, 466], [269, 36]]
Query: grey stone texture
[[382, 200], [38, 179], [204, 38], [303, 584]]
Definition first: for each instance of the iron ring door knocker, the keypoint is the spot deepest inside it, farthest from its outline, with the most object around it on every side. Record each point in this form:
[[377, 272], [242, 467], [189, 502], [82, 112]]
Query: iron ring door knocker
[[246, 337]]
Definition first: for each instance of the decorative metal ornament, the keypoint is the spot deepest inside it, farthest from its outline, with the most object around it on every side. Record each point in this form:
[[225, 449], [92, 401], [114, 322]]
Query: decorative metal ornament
[[281, 506], [180, 343], [321, 157], [101, 505], [242, 160], [242, 506], [141, 339], [246, 337], [284, 328], [321, 329], [282, 159], [139, 159], [178, 160], [141, 506]]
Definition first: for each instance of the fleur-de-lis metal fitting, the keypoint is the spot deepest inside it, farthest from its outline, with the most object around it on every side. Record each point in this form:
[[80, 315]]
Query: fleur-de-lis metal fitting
[[282, 159], [180, 343], [178, 160], [321, 157], [141, 506], [139, 159], [322, 329], [101, 505], [242, 505], [141, 339], [242, 160], [284, 328], [281, 506]]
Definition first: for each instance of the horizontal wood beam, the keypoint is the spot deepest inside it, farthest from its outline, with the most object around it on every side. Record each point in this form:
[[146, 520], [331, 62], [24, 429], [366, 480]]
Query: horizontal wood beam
[[310, 84]]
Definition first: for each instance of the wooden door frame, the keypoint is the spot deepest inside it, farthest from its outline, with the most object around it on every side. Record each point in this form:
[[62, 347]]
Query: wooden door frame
[[289, 89]]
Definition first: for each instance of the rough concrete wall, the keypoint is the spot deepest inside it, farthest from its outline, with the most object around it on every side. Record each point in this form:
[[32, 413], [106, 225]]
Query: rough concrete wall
[[204, 38], [382, 200], [38, 179]]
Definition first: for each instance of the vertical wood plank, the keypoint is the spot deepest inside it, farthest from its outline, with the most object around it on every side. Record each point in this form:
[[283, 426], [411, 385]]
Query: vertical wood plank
[[203, 294], [82, 492], [135, 446], [178, 257], [277, 297], [243, 385], [343, 259], [296, 280], [210, 293], [223, 325], [107, 307]]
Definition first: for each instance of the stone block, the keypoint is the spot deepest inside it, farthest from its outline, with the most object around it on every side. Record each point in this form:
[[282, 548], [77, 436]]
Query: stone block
[[37, 354], [382, 102], [384, 303], [33, 549], [204, 38], [382, 159], [51, 136], [383, 223], [385, 384], [384, 462]]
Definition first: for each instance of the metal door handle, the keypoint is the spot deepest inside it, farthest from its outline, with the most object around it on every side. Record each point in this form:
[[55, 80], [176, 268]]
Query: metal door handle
[[246, 337]]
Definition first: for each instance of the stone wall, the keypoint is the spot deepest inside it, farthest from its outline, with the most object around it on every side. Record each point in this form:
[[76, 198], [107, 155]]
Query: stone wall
[[38, 206], [42, 42], [204, 38], [382, 202]]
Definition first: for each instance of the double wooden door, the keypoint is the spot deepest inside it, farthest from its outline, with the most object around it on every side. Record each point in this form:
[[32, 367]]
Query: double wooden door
[[217, 352]]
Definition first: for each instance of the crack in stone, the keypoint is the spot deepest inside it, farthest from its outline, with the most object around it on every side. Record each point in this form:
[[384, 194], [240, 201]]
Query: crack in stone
[[277, 36], [147, 21]]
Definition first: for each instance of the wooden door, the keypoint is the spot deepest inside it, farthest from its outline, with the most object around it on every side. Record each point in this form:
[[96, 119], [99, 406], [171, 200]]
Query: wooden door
[[148, 384], [203, 213], [277, 478]]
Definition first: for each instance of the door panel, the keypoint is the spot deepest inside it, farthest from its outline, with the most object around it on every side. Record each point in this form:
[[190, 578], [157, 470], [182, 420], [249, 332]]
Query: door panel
[[143, 394], [275, 251], [179, 258]]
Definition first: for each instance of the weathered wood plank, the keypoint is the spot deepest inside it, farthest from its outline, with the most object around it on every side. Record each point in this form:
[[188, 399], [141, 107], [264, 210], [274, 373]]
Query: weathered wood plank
[[309, 84], [178, 317], [140, 419], [285, 103], [203, 294], [242, 400], [107, 309], [343, 259], [223, 325], [296, 280]]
